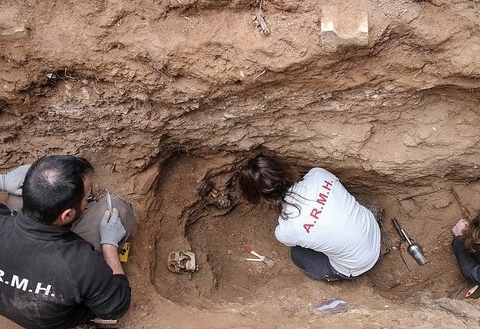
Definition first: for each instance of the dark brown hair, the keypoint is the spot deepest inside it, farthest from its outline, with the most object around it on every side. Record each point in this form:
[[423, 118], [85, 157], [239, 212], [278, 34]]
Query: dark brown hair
[[471, 235], [268, 179]]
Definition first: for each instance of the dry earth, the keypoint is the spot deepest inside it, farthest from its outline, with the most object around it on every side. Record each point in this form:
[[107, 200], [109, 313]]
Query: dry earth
[[169, 97]]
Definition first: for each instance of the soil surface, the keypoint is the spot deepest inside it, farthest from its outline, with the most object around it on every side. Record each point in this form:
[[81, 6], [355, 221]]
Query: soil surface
[[168, 99], [228, 291]]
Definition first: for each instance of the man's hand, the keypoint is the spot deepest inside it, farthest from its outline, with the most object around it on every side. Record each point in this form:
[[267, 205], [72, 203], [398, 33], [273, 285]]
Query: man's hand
[[111, 228], [12, 182], [461, 225]]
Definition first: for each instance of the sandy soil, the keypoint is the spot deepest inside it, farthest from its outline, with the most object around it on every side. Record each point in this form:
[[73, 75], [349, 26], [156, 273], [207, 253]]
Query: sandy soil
[[228, 291], [169, 98]]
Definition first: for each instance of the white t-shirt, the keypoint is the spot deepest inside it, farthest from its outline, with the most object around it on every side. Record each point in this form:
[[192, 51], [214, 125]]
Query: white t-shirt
[[329, 219]]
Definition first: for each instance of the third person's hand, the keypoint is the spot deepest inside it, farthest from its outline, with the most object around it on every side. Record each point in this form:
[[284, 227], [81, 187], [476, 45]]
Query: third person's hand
[[12, 182], [461, 225]]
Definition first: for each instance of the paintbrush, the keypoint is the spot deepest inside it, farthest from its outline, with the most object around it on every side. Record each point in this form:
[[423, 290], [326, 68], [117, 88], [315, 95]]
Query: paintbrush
[[269, 262]]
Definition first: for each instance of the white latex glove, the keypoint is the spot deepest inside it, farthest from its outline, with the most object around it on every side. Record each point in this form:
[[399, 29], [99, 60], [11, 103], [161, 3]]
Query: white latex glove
[[111, 228], [12, 182], [461, 225]]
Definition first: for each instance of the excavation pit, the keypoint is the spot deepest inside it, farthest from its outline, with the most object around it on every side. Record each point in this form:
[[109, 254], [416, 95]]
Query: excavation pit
[[219, 234], [169, 98]]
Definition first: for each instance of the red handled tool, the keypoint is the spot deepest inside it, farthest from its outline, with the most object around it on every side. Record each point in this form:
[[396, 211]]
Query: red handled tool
[[269, 262]]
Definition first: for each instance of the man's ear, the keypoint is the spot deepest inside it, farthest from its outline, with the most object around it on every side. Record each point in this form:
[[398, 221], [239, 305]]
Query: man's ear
[[65, 218]]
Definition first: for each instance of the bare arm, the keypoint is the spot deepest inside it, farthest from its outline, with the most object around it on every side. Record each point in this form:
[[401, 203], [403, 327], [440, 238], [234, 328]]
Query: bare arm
[[111, 232], [110, 254]]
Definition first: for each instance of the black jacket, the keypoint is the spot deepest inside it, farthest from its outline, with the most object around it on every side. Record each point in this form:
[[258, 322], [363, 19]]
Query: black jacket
[[52, 278], [469, 266]]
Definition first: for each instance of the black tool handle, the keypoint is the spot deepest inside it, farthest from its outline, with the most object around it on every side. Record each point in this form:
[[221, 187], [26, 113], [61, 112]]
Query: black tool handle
[[400, 231]]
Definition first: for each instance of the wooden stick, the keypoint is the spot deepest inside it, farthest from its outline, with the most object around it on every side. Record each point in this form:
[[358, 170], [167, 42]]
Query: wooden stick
[[403, 258], [260, 19], [413, 195], [465, 213]]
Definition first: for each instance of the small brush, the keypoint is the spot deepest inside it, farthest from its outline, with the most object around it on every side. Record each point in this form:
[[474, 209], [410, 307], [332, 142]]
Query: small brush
[[269, 262]]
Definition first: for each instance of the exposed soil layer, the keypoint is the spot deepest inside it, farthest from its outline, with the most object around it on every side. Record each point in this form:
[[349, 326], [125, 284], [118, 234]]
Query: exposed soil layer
[[169, 98]]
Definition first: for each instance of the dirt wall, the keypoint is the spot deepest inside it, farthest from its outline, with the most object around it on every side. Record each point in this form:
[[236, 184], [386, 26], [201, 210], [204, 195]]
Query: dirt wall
[[163, 96]]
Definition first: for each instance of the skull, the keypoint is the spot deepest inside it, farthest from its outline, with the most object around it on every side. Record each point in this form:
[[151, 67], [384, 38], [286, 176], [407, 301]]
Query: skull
[[181, 261]]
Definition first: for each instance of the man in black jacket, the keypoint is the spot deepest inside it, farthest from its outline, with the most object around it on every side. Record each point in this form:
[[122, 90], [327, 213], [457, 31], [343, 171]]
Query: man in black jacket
[[50, 277]]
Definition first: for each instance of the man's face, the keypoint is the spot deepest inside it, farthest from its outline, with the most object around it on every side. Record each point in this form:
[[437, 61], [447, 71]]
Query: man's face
[[87, 187]]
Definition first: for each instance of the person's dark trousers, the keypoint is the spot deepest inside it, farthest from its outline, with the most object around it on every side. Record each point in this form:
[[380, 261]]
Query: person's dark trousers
[[316, 264]]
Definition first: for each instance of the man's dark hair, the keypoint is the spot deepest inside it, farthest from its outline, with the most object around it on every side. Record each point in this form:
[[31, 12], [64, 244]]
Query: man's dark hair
[[54, 184]]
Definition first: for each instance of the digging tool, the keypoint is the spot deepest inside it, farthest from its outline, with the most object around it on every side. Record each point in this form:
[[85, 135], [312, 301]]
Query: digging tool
[[109, 203], [125, 250], [269, 262], [413, 249]]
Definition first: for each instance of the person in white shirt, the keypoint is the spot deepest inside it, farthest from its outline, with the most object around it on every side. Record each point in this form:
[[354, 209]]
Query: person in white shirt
[[332, 236]]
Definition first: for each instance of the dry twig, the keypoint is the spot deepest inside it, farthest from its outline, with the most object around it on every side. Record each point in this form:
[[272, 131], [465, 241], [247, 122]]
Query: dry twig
[[260, 19], [465, 213], [413, 195]]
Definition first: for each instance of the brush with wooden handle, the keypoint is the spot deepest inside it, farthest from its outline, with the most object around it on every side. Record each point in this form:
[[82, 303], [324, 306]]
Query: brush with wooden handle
[[269, 262]]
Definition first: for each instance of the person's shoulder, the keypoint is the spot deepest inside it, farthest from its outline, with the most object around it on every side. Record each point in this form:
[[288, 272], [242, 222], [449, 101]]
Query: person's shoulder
[[78, 252], [317, 171], [76, 247]]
